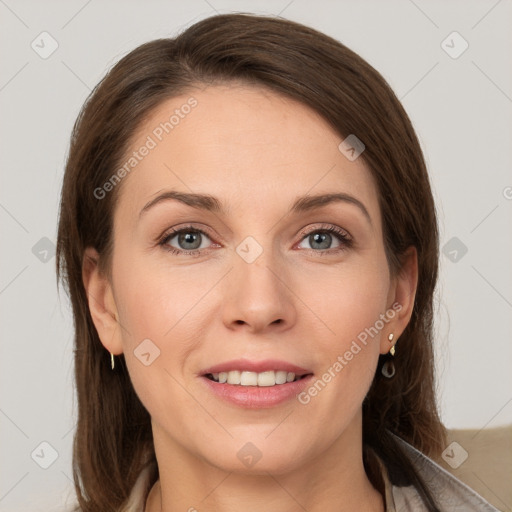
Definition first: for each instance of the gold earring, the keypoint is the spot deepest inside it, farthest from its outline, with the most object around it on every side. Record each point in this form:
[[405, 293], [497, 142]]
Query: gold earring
[[392, 349], [112, 360]]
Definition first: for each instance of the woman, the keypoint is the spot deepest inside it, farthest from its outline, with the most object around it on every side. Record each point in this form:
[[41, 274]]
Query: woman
[[249, 240]]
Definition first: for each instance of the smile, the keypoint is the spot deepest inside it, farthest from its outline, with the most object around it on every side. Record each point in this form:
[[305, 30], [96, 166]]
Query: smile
[[262, 379]]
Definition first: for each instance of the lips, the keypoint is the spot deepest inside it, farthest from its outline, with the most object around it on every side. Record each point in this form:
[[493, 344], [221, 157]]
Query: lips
[[256, 397]]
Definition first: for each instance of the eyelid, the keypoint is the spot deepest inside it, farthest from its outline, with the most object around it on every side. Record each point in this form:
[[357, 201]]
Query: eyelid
[[325, 227], [191, 227]]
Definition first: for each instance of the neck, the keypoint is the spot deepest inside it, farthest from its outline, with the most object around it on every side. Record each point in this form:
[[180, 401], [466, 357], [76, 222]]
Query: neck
[[335, 481]]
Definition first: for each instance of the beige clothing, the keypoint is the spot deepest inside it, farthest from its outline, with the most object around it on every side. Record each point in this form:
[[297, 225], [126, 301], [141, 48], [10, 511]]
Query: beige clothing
[[451, 494]]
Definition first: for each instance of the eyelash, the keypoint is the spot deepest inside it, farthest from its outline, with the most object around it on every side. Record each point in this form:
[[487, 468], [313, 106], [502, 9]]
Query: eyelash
[[343, 238]]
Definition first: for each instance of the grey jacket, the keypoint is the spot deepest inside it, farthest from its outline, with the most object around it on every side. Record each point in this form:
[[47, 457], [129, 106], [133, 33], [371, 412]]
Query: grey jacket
[[451, 494]]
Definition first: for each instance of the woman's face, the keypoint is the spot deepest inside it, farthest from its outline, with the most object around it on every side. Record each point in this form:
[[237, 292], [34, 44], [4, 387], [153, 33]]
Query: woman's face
[[265, 281]]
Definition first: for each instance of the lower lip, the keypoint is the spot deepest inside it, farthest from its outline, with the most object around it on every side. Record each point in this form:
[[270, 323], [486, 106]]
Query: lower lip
[[256, 397]]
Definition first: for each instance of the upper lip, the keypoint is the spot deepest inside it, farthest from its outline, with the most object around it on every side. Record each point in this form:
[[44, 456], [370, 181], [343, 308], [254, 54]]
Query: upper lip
[[256, 366]]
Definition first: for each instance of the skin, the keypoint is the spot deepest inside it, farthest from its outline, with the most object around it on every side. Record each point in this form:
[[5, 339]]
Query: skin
[[256, 151]]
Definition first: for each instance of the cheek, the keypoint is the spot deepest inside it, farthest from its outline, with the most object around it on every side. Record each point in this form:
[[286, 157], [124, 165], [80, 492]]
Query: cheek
[[349, 300], [351, 306], [154, 301], [156, 309], [162, 311]]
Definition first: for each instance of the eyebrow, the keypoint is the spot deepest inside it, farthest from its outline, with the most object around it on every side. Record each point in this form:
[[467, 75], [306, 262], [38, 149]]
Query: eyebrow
[[211, 203]]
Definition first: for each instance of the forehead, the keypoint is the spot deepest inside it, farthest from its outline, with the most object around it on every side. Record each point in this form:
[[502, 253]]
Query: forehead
[[245, 144]]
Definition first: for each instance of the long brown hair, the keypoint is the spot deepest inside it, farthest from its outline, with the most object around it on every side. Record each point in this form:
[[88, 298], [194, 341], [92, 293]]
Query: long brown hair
[[113, 435]]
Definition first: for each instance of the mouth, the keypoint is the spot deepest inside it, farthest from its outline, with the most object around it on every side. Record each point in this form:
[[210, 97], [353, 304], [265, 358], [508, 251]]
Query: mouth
[[268, 378], [263, 389], [252, 384], [250, 372]]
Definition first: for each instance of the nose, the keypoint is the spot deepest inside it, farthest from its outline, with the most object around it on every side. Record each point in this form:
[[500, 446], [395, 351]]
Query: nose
[[259, 295]]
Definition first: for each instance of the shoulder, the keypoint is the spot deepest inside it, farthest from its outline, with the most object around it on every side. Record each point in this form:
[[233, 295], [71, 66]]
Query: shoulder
[[452, 494]]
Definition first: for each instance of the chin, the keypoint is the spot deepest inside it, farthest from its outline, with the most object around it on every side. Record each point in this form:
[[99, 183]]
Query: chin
[[248, 457]]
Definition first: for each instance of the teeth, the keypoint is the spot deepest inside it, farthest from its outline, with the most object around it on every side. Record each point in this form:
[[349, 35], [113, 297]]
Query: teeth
[[233, 377], [263, 379]]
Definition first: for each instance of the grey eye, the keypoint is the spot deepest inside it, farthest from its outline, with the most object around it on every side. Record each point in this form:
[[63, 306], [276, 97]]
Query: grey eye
[[188, 240], [320, 240]]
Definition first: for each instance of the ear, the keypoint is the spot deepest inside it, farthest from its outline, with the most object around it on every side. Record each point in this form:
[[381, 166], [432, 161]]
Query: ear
[[401, 299], [101, 302]]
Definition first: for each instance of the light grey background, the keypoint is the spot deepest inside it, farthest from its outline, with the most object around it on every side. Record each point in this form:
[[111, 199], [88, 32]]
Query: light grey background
[[461, 109]]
